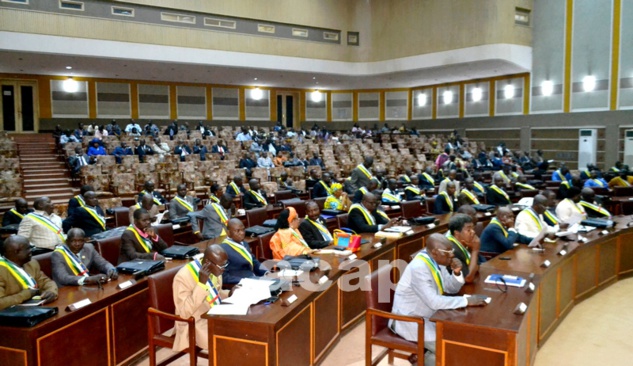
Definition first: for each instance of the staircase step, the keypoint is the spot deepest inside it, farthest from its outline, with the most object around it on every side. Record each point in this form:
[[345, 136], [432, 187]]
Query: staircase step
[[59, 196], [50, 189], [46, 180], [35, 185], [47, 175], [45, 169], [36, 159]]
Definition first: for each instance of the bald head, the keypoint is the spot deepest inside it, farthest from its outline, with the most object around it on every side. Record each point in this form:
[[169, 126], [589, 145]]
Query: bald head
[[21, 206], [216, 255], [147, 201], [16, 249], [503, 212]]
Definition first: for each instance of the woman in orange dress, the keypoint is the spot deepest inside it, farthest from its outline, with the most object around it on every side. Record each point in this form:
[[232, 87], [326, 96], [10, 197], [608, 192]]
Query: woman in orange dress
[[288, 240]]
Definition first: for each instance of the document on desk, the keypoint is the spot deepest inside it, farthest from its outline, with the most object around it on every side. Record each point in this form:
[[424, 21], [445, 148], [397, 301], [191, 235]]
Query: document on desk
[[247, 293], [398, 229], [509, 280]]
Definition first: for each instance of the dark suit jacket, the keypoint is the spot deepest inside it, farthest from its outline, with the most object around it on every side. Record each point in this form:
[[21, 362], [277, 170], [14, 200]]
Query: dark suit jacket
[[250, 201], [211, 222], [359, 179], [179, 149], [425, 184], [64, 276], [131, 249], [356, 221], [10, 218], [492, 239], [156, 195], [312, 235], [494, 198], [311, 182], [83, 220], [441, 206], [141, 151], [74, 162], [231, 191], [215, 149], [410, 196], [239, 267], [73, 205], [319, 191], [202, 150]]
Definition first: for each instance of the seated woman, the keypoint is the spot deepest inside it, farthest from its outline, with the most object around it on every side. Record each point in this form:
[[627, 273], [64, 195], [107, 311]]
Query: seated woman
[[288, 240], [338, 200]]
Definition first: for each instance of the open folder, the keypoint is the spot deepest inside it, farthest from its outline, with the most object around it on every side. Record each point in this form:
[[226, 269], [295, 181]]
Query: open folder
[[248, 292]]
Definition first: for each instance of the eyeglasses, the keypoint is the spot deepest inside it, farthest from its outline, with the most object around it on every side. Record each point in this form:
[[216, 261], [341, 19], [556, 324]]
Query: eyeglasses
[[446, 252], [226, 264]]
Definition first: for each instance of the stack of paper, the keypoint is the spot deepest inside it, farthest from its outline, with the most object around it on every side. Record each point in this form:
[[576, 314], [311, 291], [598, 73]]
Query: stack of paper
[[248, 292]]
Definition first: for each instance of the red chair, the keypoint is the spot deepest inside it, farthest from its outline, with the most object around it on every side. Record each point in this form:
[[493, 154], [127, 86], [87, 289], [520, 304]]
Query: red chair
[[161, 318], [342, 220], [256, 216], [298, 205], [376, 324], [264, 252], [283, 195], [44, 261], [411, 209], [110, 249], [320, 202]]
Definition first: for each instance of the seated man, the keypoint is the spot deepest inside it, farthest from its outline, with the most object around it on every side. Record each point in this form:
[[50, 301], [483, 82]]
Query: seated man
[[78, 200], [236, 187], [595, 181], [530, 222], [20, 276], [140, 241], [496, 195], [420, 292], [284, 183], [561, 175], [412, 191], [365, 217], [406, 177], [500, 234], [242, 262], [569, 210], [313, 228], [522, 185], [445, 201], [214, 216], [254, 198], [147, 202], [427, 182], [121, 151], [197, 288], [96, 149], [15, 215], [313, 179], [504, 174], [42, 228], [322, 188], [589, 204], [200, 149], [468, 196], [182, 150], [160, 148], [619, 180], [550, 212], [182, 204], [360, 192], [148, 188], [461, 233], [72, 262], [142, 150], [452, 175], [389, 195], [79, 160], [90, 218]]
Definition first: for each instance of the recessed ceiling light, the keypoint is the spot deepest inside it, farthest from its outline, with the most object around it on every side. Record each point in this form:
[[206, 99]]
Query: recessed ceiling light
[[255, 79], [69, 67], [314, 77]]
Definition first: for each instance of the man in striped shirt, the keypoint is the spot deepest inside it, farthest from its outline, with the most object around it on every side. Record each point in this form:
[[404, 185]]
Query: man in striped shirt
[[42, 227]]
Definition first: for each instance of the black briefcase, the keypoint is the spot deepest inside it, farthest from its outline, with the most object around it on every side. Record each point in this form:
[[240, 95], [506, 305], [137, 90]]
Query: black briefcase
[[25, 316], [270, 223], [327, 211], [141, 266], [257, 230], [484, 208], [180, 252], [302, 262]]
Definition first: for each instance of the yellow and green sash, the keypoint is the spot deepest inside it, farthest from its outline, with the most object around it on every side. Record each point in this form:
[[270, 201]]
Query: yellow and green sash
[[327, 189], [614, 169], [416, 191], [434, 268], [448, 199], [95, 215], [156, 200], [213, 298], [534, 217], [294, 233], [514, 175], [184, 203], [504, 176], [146, 243], [369, 218], [239, 249], [80, 200], [574, 205], [553, 219], [363, 190], [428, 178], [235, 188], [259, 197], [47, 223], [24, 279], [453, 239], [222, 215], [525, 186], [77, 266], [495, 221], [362, 168], [479, 187], [560, 175], [598, 209], [322, 229], [16, 213], [500, 191], [473, 198], [565, 183], [213, 198], [390, 197], [598, 182], [406, 178]]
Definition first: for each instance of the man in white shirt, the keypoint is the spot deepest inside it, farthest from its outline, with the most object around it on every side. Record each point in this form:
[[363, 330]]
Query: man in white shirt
[[529, 222], [132, 125], [418, 293], [42, 227], [160, 148], [568, 210]]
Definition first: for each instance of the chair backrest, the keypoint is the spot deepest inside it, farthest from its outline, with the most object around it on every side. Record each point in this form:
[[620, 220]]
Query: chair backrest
[[161, 297], [320, 201], [283, 195], [256, 216], [298, 205], [411, 209], [44, 260], [528, 193], [166, 232], [380, 296], [342, 220], [623, 191], [430, 204], [121, 216], [110, 249], [264, 251]]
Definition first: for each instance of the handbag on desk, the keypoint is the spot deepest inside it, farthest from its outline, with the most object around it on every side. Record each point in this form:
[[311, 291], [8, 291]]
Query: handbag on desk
[[347, 240], [25, 316]]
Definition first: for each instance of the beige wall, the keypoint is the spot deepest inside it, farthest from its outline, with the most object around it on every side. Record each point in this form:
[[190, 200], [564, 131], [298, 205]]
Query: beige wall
[[388, 28]]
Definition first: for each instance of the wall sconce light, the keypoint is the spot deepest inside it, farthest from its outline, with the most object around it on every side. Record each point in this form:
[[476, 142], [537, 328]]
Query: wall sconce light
[[70, 85], [447, 96], [477, 94], [547, 88], [421, 99], [589, 83], [508, 91], [257, 94], [316, 96]]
